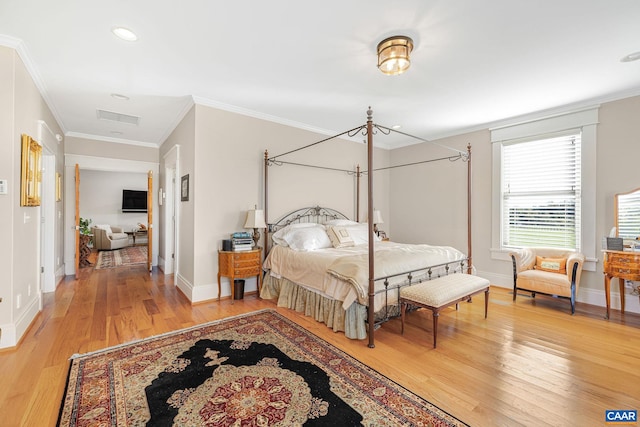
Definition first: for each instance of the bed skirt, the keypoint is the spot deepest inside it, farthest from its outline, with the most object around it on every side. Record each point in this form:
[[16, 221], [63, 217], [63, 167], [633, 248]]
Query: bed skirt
[[327, 310]]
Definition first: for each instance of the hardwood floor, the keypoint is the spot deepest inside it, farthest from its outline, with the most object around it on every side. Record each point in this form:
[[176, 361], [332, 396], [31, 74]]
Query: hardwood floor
[[530, 363]]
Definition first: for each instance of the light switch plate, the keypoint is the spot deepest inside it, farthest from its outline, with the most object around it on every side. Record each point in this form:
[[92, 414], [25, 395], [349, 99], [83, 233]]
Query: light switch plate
[[4, 186]]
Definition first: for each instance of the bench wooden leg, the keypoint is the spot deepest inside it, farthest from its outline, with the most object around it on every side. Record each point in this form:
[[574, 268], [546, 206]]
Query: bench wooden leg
[[486, 302], [436, 314]]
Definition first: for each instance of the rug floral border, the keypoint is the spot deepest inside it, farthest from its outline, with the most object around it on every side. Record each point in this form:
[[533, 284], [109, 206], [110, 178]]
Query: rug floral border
[[361, 386]]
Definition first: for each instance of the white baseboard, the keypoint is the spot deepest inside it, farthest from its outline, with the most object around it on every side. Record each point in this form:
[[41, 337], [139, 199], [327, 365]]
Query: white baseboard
[[185, 286], [196, 293], [586, 295], [60, 274], [11, 333]]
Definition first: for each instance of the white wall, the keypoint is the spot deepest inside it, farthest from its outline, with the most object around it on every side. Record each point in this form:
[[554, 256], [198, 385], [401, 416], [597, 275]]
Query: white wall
[[224, 157], [101, 197], [184, 136], [22, 109], [431, 205]]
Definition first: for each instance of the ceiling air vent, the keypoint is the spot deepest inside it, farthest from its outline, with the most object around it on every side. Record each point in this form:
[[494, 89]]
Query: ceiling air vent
[[118, 117]]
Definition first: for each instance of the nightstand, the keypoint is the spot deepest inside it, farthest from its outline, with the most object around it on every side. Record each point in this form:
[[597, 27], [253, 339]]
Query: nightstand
[[240, 265]]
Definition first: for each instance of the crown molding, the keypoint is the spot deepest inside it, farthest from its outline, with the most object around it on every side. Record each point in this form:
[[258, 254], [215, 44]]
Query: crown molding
[[262, 116], [19, 46], [189, 103], [110, 139]]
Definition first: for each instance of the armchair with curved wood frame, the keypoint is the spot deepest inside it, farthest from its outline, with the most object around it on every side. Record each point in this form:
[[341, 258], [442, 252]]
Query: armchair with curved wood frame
[[530, 273]]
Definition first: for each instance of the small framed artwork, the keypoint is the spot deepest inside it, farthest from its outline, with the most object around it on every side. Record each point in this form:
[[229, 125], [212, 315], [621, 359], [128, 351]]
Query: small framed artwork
[[31, 175], [184, 188]]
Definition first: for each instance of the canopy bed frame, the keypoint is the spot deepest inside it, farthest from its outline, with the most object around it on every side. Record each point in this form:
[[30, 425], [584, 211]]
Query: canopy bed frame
[[319, 214]]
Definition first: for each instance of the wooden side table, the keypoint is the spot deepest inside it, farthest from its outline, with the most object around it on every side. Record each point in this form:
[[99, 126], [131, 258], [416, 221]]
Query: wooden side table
[[85, 250], [623, 265], [239, 265]]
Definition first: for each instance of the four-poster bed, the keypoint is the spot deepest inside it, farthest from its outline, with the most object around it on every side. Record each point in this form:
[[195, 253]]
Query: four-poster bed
[[347, 284]]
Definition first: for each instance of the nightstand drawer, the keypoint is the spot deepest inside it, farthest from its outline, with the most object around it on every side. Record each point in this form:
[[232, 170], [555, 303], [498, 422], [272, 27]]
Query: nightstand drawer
[[246, 271], [246, 256], [626, 259], [246, 262]]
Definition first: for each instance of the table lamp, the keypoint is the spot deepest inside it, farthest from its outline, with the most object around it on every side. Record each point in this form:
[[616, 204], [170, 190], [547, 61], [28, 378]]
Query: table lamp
[[255, 220], [377, 219]]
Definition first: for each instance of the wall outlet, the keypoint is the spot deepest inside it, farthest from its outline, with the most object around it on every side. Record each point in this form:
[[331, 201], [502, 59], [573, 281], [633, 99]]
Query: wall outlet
[[4, 186], [18, 301], [29, 290]]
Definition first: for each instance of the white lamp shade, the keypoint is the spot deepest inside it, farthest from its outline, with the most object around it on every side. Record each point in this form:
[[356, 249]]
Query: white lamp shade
[[255, 219], [377, 217]]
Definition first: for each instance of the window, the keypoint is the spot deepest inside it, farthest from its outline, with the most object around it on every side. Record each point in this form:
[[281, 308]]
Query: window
[[578, 130], [541, 194]]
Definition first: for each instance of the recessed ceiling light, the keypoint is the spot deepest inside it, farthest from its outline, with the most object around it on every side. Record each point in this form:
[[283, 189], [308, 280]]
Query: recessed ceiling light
[[120, 96], [396, 127], [124, 34], [631, 57], [116, 132]]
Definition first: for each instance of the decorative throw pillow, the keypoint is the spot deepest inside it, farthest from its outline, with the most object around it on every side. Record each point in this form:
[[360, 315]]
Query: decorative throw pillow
[[554, 265], [340, 237], [360, 233]]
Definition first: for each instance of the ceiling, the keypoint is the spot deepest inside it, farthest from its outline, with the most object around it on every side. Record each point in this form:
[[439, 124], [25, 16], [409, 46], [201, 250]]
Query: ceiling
[[313, 65]]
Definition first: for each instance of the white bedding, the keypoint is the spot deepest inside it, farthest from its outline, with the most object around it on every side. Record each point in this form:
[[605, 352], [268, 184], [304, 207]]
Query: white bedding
[[343, 273]]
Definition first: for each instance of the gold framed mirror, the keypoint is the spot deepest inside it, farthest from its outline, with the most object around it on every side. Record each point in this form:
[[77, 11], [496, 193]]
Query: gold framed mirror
[[31, 174], [627, 215]]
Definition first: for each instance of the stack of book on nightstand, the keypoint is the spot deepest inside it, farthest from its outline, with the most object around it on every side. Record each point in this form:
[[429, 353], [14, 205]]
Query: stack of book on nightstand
[[241, 241]]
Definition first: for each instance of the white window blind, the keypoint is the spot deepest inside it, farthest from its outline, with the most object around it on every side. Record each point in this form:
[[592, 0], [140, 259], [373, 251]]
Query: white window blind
[[629, 216], [541, 194]]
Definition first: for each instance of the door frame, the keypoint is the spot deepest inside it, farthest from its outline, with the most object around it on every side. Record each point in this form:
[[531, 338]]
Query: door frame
[[105, 164], [171, 211]]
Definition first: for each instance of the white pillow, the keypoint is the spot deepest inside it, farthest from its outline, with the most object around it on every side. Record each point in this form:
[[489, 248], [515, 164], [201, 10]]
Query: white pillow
[[307, 239], [360, 234], [340, 222], [340, 237], [278, 236]]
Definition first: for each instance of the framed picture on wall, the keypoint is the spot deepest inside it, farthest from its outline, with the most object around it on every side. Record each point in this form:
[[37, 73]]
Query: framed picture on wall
[[31, 175], [184, 188]]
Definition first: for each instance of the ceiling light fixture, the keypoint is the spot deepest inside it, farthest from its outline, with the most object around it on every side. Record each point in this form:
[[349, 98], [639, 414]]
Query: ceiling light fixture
[[394, 55], [631, 57], [124, 34], [120, 96]]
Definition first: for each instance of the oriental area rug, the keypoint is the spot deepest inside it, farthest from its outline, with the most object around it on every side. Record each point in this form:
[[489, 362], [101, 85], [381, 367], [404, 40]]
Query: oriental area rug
[[258, 369], [131, 255]]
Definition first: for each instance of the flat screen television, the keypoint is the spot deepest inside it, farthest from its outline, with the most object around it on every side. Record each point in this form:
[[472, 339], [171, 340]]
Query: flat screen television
[[134, 201]]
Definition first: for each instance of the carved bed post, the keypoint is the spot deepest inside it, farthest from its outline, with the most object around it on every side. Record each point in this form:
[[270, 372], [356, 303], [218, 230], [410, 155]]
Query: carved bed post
[[470, 263], [371, 310], [266, 201]]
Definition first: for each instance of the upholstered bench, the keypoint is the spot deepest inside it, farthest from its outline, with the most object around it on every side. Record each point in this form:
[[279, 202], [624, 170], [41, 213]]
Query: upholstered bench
[[436, 294]]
